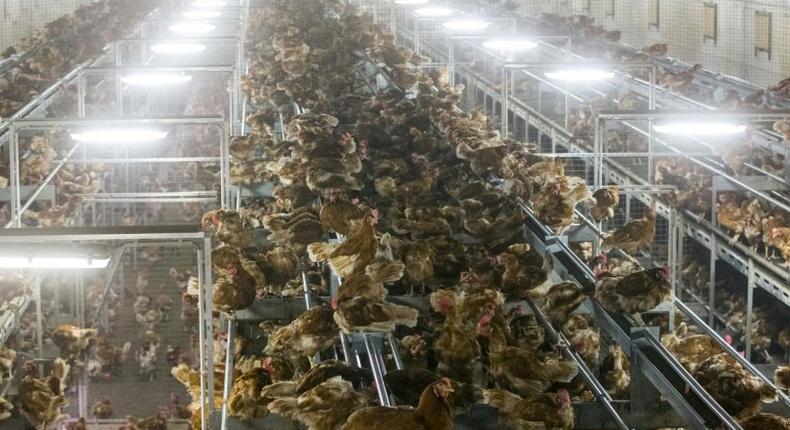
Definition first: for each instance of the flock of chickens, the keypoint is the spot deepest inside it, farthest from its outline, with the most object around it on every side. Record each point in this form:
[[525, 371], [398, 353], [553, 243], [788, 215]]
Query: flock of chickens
[[392, 193]]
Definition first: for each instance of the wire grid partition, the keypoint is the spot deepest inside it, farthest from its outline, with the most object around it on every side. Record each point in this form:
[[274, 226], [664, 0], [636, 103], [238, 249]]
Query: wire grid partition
[[182, 248], [739, 38], [199, 142]]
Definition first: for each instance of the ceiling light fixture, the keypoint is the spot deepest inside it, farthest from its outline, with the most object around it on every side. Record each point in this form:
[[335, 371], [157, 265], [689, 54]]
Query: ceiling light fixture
[[466, 25], [53, 262], [433, 12], [209, 3], [119, 135], [509, 44], [202, 14], [580, 75], [192, 28], [178, 48], [156, 79], [700, 128]]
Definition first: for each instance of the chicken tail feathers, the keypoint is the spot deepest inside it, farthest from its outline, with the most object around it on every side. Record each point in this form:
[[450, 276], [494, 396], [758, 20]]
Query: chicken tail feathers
[[562, 371], [503, 400], [286, 406], [387, 271], [404, 315], [319, 251]]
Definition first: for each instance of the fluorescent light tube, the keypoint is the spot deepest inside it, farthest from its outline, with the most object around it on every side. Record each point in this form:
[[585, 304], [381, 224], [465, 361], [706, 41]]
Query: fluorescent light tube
[[53, 263], [466, 25], [410, 2], [509, 44], [119, 135], [202, 14], [433, 11], [700, 128], [580, 75], [178, 48], [156, 79], [209, 3], [192, 28]]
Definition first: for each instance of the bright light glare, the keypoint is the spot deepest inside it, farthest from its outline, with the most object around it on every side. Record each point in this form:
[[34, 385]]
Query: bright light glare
[[209, 3], [156, 79], [700, 128], [178, 48], [192, 28], [409, 2], [580, 75], [53, 262], [466, 25], [119, 135], [509, 44], [202, 14], [433, 11]]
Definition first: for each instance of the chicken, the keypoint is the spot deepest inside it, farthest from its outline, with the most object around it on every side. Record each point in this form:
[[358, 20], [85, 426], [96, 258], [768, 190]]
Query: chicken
[[548, 410], [520, 281], [782, 127], [323, 407], [561, 300], [370, 284], [102, 408], [228, 226], [72, 340], [603, 203], [419, 259], [341, 216], [233, 289], [5, 409], [681, 80], [432, 413], [780, 238], [635, 293], [634, 235], [351, 256], [735, 389], [41, 399], [656, 49], [408, 384], [245, 400], [731, 215], [527, 332], [690, 350], [363, 314], [520, 370], [764, 421], [615, 373], [782, 378], [312, 331], [455, 346]]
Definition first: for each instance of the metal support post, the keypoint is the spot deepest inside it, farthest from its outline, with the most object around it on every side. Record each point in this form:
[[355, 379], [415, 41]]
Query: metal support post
[[749, 307], [375, 367], [712, 281], [228, 382]]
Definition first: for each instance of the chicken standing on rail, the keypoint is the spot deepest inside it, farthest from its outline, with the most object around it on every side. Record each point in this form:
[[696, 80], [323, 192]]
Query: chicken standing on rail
[[636, 234]]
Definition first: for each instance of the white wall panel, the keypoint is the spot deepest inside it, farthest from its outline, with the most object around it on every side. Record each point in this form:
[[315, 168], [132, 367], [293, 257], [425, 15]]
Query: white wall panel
[[681, 26]]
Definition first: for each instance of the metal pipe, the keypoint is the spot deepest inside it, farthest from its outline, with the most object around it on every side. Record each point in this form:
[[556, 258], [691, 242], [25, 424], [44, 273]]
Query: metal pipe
[[204, 417], [228, 382], [378, 377]]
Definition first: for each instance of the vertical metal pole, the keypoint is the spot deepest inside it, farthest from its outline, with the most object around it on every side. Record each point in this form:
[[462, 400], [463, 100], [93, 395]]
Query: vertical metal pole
[[344, 344], [596, 152], [40, 326], [14, 170], [228, 373], [118, 83], [712, 283], [201, 347], [208, 317], [505, 102], [749, 307], [451, 62], [224, 165]]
